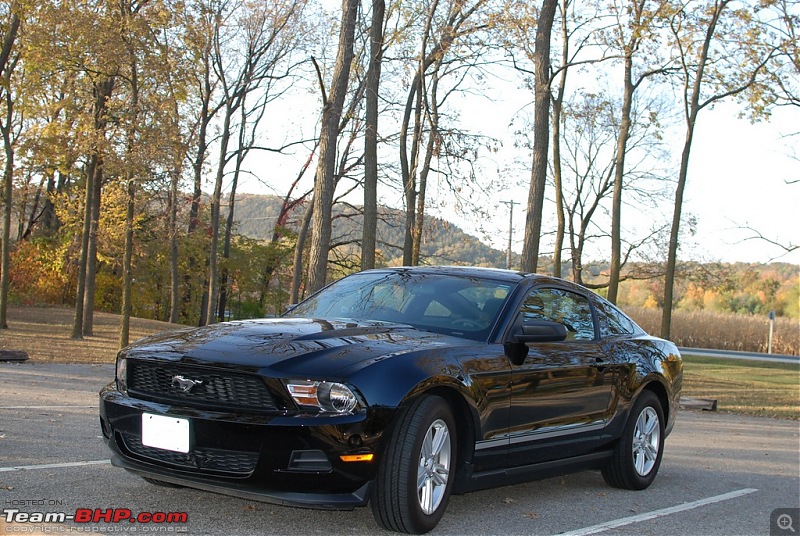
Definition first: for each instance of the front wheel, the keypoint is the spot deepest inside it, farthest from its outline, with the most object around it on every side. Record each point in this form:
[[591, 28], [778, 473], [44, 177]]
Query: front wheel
[[637, 455], [414, 479]]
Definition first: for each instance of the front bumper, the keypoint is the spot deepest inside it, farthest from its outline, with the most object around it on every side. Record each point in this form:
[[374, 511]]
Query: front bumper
[[284, 459]]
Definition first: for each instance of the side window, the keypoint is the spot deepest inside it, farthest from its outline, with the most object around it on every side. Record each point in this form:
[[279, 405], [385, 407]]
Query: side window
[[567, 308], [613, 322]]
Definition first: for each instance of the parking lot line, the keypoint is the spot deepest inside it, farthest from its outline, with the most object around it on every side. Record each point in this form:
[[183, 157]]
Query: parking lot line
[[46, 407], [53, 465], [602, 527]]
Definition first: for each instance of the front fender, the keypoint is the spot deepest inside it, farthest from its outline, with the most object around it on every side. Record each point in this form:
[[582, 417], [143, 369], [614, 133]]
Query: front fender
[[395, 382]]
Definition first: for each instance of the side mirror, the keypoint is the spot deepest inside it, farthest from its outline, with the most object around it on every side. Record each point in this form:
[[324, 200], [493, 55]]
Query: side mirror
[[541, 331]]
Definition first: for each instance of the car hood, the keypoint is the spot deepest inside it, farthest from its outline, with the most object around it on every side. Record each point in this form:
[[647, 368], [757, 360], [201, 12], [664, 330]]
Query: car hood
[[290, 346]]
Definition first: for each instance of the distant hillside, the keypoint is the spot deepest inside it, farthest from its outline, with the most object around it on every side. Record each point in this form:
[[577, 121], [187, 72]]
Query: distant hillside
[[442, 242]]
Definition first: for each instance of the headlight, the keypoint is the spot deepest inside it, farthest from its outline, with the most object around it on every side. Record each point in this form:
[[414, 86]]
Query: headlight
[[122, 374], [322, 396]]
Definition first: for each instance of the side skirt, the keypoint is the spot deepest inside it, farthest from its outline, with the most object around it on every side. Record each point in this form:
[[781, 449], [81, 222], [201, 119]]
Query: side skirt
[[471, 481]]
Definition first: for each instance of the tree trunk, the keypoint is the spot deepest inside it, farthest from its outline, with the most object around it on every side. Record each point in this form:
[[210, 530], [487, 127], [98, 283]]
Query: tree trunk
[[77, 324], [216, 199], [558, 106], [409, 164], [174, 277], [559, 187], [197, 193], [325, 183], [48, 210], [8, 173], [91, 260], [127, 271], [419, 216], [541, 128], [297, 272], [619, 174], [226, 244], [369, 230], [422, 185], [576, 255], [102, 93], [692, 108], [8, 183], [127, 268]]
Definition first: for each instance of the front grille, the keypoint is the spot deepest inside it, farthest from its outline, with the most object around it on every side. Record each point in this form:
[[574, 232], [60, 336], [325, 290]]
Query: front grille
[[215, 389], [205, 460]]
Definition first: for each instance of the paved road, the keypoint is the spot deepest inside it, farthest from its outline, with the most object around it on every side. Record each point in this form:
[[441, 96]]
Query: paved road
[[748, 356], [722, 474]]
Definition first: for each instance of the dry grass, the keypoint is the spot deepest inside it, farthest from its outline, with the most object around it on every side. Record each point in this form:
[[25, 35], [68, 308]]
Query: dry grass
[[742, 333], [44, 333]]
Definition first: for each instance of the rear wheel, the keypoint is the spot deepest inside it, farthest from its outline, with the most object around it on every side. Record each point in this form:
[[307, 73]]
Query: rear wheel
[[414, 477], [637, 455]]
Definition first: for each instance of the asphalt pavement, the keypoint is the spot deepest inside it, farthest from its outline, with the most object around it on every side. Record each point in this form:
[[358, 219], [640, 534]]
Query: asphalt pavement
[[722, 474]]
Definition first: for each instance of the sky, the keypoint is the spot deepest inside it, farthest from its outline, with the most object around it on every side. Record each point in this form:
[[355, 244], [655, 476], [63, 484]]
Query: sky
[[738, 175], [737, 178]]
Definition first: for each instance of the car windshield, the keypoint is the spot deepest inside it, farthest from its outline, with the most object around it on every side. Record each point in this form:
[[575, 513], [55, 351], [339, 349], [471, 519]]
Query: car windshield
[[455, 305]]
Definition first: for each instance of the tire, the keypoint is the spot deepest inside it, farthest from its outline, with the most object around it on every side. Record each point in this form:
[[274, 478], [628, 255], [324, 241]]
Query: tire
[[637, 455], [160, 483], [416, 472]]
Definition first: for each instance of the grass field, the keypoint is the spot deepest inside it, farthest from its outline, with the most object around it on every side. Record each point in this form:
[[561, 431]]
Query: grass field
[[44, 333], [751, 387]]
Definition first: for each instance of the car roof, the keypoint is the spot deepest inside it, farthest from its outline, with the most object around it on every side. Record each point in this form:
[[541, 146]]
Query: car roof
[[460, 271], [510, 276]]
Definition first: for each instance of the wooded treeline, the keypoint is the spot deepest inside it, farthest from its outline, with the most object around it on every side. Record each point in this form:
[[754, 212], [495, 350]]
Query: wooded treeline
[[128, 125]]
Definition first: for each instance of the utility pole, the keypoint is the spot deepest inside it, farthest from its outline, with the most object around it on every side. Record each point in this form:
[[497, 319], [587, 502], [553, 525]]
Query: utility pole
[[510, 229]]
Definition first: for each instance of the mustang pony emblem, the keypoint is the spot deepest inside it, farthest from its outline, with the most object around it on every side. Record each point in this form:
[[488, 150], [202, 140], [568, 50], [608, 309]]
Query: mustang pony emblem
[[185, 384]]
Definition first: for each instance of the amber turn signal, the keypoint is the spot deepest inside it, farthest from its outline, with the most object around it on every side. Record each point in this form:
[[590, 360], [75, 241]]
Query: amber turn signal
[[356, 457]]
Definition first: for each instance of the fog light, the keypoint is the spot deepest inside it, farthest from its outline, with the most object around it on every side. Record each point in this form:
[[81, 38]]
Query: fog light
[[311, 461]]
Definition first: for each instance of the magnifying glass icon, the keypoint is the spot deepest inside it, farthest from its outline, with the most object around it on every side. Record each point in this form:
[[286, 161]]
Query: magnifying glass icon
[[785, 522]]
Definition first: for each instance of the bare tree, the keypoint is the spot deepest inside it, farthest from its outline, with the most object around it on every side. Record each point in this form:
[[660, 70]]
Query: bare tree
[[708, 74], [325, 182], [588, 135], [420, 133], [268, 37], [371, 136], [541, 132], [631, 35]]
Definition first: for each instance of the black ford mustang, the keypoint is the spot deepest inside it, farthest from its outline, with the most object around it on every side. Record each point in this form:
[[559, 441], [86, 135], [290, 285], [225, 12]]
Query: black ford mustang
[[399, 387]]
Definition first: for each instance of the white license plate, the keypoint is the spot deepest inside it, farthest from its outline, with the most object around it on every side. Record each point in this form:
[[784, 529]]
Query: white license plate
[[168, 433]]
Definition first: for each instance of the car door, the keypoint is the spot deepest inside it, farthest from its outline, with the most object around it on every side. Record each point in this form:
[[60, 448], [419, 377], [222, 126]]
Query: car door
[[560, 391]]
